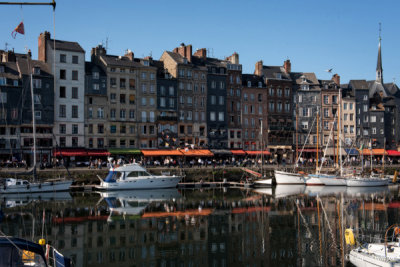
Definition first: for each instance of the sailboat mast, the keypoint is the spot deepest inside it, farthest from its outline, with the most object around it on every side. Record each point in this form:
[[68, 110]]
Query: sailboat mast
[[33, 120], [297, 134], [340, 133], [316, 169], [383, 158]]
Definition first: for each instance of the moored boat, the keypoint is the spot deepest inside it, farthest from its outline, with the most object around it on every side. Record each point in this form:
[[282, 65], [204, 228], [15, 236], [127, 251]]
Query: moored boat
[[134, 176], [12, 186], [282, 177], [366, 181]]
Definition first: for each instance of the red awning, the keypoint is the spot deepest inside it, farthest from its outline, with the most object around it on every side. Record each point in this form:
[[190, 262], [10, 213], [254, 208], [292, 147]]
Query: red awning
[[257, 152], [70, 152], [97, 152], [238, 152], [393, 153]]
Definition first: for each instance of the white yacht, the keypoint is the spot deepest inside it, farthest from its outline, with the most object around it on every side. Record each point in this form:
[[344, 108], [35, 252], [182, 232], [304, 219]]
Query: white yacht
[[12, 186], [376, 254], [134, 176], [282, 177]]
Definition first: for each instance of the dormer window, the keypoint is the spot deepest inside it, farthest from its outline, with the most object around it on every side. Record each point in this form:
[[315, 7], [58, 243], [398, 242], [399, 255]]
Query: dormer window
[[259, 84], [36, 70], [146, 63], [279, 75], [249, 84], [305, 87]]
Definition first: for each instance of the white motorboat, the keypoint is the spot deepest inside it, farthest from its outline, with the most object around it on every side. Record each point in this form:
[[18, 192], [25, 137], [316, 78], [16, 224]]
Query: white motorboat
[[134, 176], [282, 177], [366, 181], [13, 186]]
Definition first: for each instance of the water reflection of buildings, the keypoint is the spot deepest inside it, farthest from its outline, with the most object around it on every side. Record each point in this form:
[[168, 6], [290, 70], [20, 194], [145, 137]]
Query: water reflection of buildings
[[262, 231]]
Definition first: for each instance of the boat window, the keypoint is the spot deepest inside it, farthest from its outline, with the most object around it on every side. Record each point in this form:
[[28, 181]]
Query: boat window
[[18, 183], [10, 256], [25, 182], [138, 173]]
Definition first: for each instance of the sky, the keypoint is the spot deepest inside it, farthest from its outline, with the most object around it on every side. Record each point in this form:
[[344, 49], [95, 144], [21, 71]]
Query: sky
[[315, 35]]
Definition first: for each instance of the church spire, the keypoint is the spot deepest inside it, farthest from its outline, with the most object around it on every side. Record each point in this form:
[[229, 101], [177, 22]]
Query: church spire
[[379, 70]]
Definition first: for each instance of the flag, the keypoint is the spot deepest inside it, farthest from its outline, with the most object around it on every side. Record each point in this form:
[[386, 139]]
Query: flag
[[19, 29]]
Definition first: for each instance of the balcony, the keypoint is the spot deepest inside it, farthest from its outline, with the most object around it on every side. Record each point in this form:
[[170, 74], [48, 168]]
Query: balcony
[[167, 118]]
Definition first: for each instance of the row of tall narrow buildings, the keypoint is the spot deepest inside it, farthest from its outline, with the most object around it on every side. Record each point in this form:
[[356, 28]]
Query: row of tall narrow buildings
[[185, 98]]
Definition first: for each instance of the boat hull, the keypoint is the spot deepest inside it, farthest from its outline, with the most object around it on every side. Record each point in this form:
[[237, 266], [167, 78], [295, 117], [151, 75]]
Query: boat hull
[[361, 258], [366, 182], [282, 177], [333, 181], [263, 183], [313, 181], [37, 187], [147, 182]]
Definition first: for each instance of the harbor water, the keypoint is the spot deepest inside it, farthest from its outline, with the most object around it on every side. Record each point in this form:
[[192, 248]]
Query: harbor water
[[280, 226]]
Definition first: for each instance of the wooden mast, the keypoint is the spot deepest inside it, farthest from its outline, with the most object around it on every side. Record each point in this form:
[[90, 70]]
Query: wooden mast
[[316, 169]]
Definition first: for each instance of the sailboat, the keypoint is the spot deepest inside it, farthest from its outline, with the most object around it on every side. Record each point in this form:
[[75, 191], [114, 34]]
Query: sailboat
[[13, 185]]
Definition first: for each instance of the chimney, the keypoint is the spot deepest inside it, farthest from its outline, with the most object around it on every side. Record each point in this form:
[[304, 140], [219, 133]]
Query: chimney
[[336, 79], [259, 66], [234, 59], [43, 38], [129, 54], [287, 66], [10, 56], [30, 53], [189, 52], [175, 50], [202, 53]]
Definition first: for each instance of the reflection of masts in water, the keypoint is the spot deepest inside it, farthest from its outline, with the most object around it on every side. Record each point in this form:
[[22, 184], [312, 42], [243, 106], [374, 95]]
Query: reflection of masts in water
[[299, 237], [319, 235], [341, 232]]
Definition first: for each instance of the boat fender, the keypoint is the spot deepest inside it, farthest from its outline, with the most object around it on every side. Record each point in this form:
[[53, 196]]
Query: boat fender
[[27, 186], [349, 236], [396, 231], [40, 186]]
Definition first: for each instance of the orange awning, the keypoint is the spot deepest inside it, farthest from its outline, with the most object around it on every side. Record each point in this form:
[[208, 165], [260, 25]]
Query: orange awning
[[375, 152], [160, 152], [238, 152], [196, 153], [257, 152]]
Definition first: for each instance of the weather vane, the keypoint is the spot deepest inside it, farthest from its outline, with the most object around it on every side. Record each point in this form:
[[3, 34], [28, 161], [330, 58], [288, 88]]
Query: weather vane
[[380, 30]]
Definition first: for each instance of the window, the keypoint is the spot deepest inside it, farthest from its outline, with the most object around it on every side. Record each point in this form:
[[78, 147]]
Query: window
[[63, 129], [373, 130], [212, 116], [131, 114], [75, 75], [96, 86], [326, 113], [75, 60], [63, 111], [62, 92], [248, 83], [382, 131], [345, 129], [287, 92], [304, 125], [351, 117], [152, 76], [96, 75], [36, 98], [131, 83], [63, 74], [74, 111], [171, 91], [37, 83], [75, 92], [221, 116], [112, 113], [151, 101], [122, 83], [373, 118], [100, 128], [365, 108], [162, 102], [152, 88], [245, 97], [171, 103], [144, 75], [300, 98], [287, 107], [271, 106], [260, 110], [144, 88], [344, 106], [351, 106], [122, 98], [221, 100], [113, 82], [279, 92], [213, 99], [189, 115], [326, 99], [63, 58], [74, 128], [144, 100], [38, 115], [334, 99], [351, 129], [345, 117], [144, 116], [365, 97], [122, 114], [189, 86], [113, 128], [100, 113], [304, 112], [189, 100], [279, 106]]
